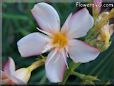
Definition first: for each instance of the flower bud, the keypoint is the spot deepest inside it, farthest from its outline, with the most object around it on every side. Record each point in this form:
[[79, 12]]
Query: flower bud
[[23, 74]]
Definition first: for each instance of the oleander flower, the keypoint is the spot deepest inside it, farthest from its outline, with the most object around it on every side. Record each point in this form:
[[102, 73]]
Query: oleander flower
[[11, 76], [60, 42]]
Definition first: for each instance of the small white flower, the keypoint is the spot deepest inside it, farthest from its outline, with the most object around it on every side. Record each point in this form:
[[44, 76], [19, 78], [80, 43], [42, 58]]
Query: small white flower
[[60, 42], [12, 76]]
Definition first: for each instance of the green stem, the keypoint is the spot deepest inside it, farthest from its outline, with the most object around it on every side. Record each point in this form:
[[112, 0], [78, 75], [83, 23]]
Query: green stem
[[86, 78], [81, 76], [67, 74], [72, 67]]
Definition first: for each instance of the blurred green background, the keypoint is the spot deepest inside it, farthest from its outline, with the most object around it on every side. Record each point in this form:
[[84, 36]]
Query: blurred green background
[[18, 22]]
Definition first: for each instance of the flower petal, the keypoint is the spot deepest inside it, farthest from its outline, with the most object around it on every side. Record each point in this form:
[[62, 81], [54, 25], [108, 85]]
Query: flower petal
[[32, 44], [10, 79], [80, 23], [82, 52], [65, 27], [55, 66], [9, 67], [23, 74], [17, 81], [5, 79], [47, 17]]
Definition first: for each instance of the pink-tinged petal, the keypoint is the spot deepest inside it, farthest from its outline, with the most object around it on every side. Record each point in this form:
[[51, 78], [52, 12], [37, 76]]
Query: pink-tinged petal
[[4, 79], [22, 74], [10, 79], [17, 81], [80, 23], [82, 52], [65, 27], [47, 17], [9, 67], [55, 66], [97, 5], [32, 44]]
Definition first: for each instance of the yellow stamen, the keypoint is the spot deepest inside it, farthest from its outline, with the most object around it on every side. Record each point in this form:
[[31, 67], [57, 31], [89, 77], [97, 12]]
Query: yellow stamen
[[60, 40]]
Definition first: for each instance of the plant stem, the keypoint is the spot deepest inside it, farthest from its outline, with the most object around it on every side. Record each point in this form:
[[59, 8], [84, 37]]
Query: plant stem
[[72, 67], [37, 64], [78, 74], [65, 78]]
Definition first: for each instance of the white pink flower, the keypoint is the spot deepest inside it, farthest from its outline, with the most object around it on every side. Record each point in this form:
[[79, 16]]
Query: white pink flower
[[12, 76], [60, 42]]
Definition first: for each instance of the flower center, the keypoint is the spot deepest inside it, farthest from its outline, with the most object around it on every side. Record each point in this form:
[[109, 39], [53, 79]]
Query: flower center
[[59, 40]]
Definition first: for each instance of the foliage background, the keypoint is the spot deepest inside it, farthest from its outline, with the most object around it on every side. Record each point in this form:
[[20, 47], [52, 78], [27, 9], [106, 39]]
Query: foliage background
[[18, 22]]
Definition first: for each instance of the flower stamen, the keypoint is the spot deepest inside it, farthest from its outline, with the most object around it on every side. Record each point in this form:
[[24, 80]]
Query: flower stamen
[[59, 40]]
